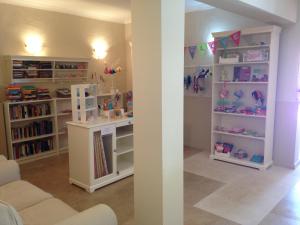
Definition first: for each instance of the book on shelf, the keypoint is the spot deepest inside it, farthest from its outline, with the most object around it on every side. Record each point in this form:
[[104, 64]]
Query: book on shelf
[[32, 148], [14, 93], [32, 130], [29, 110], [43, 93]]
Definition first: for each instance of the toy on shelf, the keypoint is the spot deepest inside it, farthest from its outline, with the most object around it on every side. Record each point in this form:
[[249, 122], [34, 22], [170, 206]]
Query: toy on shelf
[[129, 101], [260, 108], [223, 103], [257, 158], [239, 130], [224, 76], [242, 73], [117, 100], [259, 75], [223, 148], [240, 154], [238, 103]]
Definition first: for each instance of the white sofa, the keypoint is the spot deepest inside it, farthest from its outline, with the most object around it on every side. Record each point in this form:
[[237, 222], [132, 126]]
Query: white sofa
[[36, 207]]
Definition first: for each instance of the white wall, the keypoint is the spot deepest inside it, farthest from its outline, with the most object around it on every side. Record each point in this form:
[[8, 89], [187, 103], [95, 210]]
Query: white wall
[[285, 149], [198, 28], [64, 36]]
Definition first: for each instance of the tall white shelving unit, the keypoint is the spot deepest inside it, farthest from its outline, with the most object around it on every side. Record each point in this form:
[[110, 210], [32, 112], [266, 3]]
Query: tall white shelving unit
[[260, 140]]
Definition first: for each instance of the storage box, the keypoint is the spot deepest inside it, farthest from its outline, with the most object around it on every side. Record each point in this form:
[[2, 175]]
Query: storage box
[[228, 60], [256, 55]]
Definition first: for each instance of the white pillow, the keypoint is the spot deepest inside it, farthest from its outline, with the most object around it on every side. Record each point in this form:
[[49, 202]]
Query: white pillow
[[8, 215]]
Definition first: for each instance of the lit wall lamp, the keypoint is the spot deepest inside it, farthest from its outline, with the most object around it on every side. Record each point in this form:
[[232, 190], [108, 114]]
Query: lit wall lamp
[[100, 48], [33, 44]]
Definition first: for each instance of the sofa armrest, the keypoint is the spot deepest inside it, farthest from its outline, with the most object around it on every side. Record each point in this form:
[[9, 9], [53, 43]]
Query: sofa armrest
[[97, 215], [2, 158], [9, 171]]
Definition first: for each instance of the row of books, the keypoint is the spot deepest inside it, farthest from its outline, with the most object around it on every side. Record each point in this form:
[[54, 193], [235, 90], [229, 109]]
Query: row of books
[[102, 157], [32, 130], [19, 64], [43, 93], [29, 110], [31, 74], [14, 93], [18, 93], [78, 65], [32, 147], [29, 92]]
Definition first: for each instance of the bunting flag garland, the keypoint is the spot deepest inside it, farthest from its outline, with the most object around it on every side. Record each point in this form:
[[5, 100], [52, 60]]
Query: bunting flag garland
[[202, 48], [236, 37], [213, 46], [224, 41], [192, 51]]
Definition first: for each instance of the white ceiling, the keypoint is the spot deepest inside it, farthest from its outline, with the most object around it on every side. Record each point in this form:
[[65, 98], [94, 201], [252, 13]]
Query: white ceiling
[[193, 5], [108, 10]]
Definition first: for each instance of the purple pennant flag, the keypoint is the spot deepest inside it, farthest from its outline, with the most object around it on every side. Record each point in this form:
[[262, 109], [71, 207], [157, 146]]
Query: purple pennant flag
[[192, 51]]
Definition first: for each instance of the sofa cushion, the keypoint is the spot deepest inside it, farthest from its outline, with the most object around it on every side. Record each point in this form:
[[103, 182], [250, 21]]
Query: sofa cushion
[[8, 215], [2, 158], [21, 194], [48, 212]]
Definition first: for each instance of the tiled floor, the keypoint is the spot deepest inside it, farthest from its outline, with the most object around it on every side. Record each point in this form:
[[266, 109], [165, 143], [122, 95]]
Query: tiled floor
[[52, 176]]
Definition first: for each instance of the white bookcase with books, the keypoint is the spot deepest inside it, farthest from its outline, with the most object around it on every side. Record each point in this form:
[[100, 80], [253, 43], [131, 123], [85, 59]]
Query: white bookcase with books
[[30, 129], [243, 97], [33, 69]]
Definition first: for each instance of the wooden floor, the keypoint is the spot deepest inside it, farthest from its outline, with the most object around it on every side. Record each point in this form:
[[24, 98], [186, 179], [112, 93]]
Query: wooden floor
[[52, 176]]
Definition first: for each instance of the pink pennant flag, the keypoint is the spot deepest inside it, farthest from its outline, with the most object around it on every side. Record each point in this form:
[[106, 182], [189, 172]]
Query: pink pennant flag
[[236, 37], [213, 46]]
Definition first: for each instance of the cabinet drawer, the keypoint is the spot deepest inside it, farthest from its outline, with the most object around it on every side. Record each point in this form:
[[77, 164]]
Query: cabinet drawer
[[125, 123], [107, 130]]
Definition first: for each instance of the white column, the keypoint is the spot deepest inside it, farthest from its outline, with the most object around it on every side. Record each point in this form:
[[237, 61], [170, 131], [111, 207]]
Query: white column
[[158, 43]]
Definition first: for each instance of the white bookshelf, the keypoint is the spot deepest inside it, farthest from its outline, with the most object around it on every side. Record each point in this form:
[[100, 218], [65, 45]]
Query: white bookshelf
[[20, 145], [117, 138], [33, 69], [266, 38]]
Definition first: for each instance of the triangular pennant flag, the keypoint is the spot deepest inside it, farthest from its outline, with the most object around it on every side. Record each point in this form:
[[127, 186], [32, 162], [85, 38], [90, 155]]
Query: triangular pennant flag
[[224, 41], [202, 48], [236, 37], [192, 51], [213, 46]]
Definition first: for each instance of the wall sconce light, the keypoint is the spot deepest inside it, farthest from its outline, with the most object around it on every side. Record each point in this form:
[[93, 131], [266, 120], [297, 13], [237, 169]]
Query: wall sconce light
[[100, 48], [33, 44]]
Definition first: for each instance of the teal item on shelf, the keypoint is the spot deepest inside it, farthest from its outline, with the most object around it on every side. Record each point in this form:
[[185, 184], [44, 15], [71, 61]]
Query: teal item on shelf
[[257, 158]]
